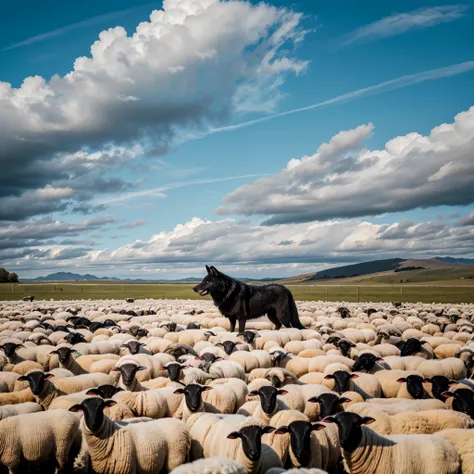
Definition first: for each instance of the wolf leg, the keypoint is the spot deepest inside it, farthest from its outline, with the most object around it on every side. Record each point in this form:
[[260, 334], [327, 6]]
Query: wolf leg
[[233, 321], [241, 325], [271, 315]]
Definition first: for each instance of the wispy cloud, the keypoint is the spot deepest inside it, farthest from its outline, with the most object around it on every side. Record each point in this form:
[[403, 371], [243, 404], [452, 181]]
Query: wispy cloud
[[400, 23], [398, 83], [96, 20], [159, 191], [133, 225]]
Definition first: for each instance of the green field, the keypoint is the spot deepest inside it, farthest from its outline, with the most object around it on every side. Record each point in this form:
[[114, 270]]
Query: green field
[[353, 293]]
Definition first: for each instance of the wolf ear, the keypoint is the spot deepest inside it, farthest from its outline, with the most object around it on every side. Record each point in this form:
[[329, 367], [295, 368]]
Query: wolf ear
[[208, 269], [214, 271]]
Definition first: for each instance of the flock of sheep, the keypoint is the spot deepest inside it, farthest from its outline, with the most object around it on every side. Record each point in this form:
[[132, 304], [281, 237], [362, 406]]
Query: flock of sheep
[[142, 387]]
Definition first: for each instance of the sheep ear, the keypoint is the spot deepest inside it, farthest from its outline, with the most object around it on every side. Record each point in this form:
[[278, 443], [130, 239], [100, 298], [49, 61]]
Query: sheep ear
[[206, 388], [282, 430], [402, 380], [253, 393], [282, 392], [344, 400], [110, 403], [329, 377], [217, 359], [115, 369], [367, 420], [48, 376], [268, 429], [314, 400], [379, 359], [179, 391], [329, 419], [53, 352], [140, 367], [76, 408], [354, 376], [23, 378], [427, 380], [318, 427], [233, 435], [93, 391], [444, 394], [452, 382]]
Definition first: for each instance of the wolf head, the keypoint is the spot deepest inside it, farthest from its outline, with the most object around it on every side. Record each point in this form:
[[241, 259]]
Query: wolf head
[[211, 282]]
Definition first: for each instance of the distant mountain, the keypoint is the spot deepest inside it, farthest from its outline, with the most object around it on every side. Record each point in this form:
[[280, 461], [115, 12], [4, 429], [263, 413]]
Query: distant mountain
[[358, 269], [68, 276], [463, 261]]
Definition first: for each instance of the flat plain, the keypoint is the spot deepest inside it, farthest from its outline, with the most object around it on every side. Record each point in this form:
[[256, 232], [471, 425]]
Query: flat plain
[[447, 291]]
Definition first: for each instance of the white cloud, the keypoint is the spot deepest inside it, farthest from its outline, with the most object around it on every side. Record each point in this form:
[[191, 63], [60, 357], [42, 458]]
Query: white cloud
[[185, 69], [344, 179], [400, 23], [286, 248], [467, 220]]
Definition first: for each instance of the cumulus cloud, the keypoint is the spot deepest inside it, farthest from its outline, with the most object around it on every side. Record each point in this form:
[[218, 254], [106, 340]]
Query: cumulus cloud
[[189, 67], [344, 179], [400, 23]]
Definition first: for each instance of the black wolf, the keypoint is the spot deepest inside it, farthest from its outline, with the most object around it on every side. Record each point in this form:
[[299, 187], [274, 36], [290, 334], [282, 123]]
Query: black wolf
[[240, 302]]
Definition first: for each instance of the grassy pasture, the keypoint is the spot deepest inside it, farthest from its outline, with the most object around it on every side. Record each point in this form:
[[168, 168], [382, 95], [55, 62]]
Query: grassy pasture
[[444, 293]]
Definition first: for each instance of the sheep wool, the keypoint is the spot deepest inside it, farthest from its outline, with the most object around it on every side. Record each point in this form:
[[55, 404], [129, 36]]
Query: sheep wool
[[420, 422], [400, 454], [22, 408], [137, 448], [216, 465], [38, 437], [463, 441]]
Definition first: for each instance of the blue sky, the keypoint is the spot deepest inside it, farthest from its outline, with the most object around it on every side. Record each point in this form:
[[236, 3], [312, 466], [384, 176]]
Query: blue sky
[[109, 182]]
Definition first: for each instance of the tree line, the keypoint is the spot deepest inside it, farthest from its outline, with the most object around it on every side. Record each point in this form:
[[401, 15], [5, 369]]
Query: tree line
[[7, 277]]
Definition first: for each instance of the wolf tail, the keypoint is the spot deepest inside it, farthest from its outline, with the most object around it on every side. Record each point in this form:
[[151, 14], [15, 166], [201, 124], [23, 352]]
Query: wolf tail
[[294, 318]]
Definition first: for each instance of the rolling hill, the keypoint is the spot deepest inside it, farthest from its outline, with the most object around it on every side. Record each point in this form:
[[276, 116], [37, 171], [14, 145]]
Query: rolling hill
[[391, 271]]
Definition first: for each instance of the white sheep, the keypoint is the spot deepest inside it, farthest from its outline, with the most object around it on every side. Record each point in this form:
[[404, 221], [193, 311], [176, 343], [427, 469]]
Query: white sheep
[[38, 437], [364, 450], [135, 448]]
